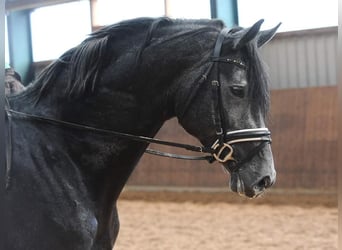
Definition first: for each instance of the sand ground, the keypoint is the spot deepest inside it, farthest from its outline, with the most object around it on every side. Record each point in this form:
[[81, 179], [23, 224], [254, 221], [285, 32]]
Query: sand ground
[[172, 221]]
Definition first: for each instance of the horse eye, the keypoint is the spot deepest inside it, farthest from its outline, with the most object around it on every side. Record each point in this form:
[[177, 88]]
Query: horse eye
[[238, 91]]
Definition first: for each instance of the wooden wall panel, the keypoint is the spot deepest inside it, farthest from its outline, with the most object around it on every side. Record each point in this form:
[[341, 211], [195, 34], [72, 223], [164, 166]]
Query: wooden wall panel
[[304, 131], [303, 124]]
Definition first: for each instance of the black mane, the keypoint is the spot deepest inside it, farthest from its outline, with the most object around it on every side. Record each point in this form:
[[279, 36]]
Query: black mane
[[86, 60], [83, 63]]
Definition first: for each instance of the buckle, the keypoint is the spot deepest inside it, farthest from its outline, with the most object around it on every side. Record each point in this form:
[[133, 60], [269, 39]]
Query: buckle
[[220, 156], [215, 83]]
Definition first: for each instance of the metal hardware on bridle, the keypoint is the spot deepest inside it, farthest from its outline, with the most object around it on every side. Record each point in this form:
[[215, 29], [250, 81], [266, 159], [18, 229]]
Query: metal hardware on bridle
[[221, 150]]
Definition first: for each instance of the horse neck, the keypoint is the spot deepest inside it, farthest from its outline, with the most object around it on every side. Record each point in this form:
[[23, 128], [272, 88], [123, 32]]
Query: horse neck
[[106, 160], [137, 101]]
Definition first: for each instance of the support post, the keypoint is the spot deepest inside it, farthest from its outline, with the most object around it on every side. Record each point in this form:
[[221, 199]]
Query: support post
[[226, 10], [20, 44]]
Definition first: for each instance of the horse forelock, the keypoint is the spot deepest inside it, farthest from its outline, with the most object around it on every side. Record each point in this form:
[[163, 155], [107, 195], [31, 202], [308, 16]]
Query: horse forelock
[[258, 79]]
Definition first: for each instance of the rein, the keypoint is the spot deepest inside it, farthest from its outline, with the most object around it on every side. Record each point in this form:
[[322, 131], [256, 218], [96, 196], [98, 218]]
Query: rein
[[12, 113], [237, 136]]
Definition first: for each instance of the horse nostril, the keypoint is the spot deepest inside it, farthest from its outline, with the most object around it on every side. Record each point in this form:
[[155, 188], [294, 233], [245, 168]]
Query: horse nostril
[[265, 182]]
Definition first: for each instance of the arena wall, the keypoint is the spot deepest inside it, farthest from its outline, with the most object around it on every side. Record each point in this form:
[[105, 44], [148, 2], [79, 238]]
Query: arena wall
[[303, 124]]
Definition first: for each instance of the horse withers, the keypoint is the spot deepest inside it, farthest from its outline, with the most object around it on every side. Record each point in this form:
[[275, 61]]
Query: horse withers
[[75, 135]]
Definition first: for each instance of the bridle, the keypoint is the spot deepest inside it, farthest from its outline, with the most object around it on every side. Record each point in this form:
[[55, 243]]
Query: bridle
[[222, 149]]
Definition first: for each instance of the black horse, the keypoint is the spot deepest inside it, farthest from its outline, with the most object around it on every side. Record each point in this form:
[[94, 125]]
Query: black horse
[[76, 133]]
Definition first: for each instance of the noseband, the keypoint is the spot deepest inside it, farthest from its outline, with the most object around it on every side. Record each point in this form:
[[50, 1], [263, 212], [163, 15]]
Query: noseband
[[222, 149]]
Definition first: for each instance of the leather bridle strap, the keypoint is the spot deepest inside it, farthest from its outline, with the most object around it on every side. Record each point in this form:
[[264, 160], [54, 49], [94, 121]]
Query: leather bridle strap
[[219, 42], [217, 114], [8, 147], [224, 151]]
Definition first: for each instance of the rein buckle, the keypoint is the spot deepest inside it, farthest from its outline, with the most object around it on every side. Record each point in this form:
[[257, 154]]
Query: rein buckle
[[221, 156]]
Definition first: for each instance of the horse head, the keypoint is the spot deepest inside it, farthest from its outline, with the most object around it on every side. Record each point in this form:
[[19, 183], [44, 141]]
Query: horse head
[[226, 109]]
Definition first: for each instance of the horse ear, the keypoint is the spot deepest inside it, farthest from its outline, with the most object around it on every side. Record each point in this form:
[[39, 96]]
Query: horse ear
[[266, 35], [246, 35]]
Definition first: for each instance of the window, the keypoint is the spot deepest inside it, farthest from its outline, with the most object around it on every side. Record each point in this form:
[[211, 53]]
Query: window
[[196, 9], [57, 28], [294, 14], [112, 11], [7, 57]]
